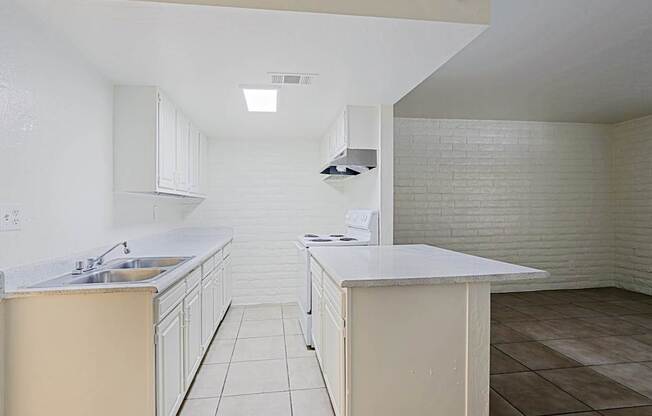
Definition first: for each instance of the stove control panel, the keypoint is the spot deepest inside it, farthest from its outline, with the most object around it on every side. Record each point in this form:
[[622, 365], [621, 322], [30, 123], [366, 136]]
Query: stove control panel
[[362, 218]]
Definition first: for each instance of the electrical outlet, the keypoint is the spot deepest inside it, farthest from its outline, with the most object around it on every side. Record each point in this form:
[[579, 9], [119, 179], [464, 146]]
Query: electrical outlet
[[10, 217]]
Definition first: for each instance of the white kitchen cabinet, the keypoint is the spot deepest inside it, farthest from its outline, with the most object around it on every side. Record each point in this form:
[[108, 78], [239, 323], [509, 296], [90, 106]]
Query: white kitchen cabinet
[[157, 149], [218, 300], [182, 162], [329, 334], [169, 363], [332, 351], [166, 151], [356, 127], [228, 282], [207, 316], [203, 163], [195, 162], [316, 276], [192, 333]]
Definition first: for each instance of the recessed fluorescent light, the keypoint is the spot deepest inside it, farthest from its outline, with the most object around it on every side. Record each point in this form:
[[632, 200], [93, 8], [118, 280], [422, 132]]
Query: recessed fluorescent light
[[261, 100]]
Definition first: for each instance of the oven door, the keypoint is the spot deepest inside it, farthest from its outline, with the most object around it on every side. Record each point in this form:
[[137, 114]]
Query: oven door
[[304, 295], [303, 272]]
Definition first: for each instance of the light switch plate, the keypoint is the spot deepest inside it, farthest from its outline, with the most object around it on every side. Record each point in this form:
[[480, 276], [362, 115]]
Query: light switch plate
[[10, 217]]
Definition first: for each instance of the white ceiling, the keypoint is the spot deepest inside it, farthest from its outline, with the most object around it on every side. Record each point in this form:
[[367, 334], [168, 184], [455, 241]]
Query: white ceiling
[[200, 55], [548, 60]]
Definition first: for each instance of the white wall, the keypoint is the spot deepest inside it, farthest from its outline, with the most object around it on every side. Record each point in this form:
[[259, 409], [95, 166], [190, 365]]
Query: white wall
[[531, 193], [270, 193], [56, 149], [632, 185]]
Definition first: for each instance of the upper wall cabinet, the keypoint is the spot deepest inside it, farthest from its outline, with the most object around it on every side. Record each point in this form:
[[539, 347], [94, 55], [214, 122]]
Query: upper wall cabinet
[[356, 127], [157, 149]]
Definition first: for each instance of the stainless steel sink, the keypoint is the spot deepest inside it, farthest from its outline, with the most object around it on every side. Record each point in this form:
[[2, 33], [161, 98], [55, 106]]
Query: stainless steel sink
[[116, 276], [124, 270], [145, 262]]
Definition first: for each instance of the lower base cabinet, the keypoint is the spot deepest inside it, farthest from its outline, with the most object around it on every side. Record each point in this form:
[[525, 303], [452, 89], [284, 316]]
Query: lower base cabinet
[[207, 296], [402, 349], [192, 333], [333, 350], [218, 299], [169, 362], [140, 351], [185, 330], [329, 335]]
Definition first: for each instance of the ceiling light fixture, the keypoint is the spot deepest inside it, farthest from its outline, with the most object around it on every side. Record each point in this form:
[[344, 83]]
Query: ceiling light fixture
[[261, 99]]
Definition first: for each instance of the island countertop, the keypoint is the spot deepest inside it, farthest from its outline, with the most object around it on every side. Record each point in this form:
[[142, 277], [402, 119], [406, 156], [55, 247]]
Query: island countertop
[[417, 264]]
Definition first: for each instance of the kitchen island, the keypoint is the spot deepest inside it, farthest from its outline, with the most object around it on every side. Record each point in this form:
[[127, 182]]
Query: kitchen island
[[405, 329]]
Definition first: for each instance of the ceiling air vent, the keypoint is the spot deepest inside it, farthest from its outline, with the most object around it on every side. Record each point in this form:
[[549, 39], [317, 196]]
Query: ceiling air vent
[[280, 78]]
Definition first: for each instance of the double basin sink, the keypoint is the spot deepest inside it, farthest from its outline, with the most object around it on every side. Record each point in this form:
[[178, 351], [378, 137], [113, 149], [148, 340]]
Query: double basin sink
[[125, 270]]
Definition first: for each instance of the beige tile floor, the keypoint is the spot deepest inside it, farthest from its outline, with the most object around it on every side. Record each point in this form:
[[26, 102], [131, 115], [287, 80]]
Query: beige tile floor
[[258, 365]]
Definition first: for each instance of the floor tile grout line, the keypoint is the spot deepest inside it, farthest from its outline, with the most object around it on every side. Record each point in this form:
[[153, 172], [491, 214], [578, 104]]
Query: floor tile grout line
[[649, 332], [556, 386], [287, 365], [228, 367], [608, 378], [505, 398], [266, 392], [203, 363]]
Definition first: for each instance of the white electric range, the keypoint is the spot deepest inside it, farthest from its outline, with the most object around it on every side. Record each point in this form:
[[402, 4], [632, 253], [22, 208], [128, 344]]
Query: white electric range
[[361, 230]]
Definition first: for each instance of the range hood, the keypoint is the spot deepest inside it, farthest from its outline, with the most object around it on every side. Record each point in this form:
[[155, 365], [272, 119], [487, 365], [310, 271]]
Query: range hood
[[350, 162]]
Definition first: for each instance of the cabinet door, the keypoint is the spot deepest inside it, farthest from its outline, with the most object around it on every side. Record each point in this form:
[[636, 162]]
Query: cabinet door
[[316, 317], [333, 359], [182, 160], [194, 160], [218, 305], [166, 143], [169, 363], [207, 310], [192, 333], [341, 133], [228, 282], [203, 163]]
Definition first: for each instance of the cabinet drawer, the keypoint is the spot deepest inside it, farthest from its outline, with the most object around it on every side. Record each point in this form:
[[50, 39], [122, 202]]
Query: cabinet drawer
[[193, 278], [207, 267], [226, 251], [334, 295], [171, 297]]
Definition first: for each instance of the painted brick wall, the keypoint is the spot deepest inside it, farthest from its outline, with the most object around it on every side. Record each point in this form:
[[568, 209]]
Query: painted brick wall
[[632, 184], [531, 193], [269, 192]]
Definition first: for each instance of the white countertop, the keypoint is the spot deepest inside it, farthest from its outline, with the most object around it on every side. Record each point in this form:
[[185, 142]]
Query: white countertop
[[198, 243], [418, 264]]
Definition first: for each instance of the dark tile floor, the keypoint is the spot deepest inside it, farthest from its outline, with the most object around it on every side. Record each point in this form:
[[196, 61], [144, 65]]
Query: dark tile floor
[[571, 352]]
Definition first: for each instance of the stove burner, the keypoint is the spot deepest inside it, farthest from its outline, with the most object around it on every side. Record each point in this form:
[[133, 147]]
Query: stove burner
[[320, 240], [336, 235], [348, 239], [311, 235]]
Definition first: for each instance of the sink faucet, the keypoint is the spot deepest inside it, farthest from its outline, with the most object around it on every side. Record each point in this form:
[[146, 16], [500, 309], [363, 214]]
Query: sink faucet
[[93, 262]]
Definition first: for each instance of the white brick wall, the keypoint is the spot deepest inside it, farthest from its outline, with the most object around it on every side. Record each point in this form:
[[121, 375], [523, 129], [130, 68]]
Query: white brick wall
[[270, 192], [537, 194], [531, 193], [632, 180]]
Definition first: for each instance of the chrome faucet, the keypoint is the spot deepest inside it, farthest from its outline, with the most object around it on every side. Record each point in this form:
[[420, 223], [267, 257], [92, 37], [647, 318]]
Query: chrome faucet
[[93, 262]]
